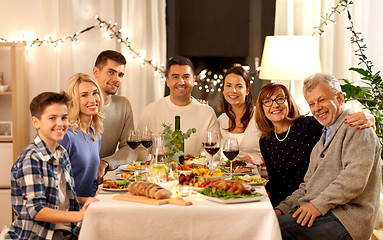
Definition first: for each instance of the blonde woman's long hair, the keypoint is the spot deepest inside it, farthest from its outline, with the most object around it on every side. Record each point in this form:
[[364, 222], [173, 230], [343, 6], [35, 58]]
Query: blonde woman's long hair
[[74, 105]]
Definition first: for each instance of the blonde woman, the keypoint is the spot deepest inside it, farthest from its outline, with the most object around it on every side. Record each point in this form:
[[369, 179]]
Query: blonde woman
[[83, 139]]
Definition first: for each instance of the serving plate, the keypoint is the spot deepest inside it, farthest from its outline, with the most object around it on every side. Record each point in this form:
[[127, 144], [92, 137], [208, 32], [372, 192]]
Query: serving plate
[[113, 189], [117, 176], [213, 178], [250, 183], [233, 200], [123, 168], [257, 183], [245, 171]]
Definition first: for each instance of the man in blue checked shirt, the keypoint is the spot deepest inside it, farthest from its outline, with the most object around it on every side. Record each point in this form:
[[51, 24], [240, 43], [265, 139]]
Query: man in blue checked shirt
[[42, 186]]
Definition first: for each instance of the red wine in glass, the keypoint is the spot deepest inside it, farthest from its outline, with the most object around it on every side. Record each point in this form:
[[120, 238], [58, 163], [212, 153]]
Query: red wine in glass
[[146, 143], [134, 139], [212, 150], [133, 144], [231, 154]]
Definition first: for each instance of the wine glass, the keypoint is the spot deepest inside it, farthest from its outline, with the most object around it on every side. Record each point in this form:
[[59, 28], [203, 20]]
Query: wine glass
[[134, 139], [146, 138], [231, 150], [211, 145]]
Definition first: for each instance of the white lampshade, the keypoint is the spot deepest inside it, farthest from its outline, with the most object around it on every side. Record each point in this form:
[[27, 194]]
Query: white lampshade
[[289, 58]]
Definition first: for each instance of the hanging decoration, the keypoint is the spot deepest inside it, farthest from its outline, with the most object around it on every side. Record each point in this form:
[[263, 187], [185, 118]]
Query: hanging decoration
[[208, 81], [341, 7], [110, 32], [211, 82]]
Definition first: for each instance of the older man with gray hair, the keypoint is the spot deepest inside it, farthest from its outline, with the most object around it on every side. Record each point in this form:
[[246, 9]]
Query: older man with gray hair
[[339, 198]]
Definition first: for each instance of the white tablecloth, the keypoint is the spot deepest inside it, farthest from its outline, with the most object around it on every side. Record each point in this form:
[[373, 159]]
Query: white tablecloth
[[115, 219]]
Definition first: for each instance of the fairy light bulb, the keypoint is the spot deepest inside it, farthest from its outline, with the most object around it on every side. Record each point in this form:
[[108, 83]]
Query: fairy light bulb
[[142, 53], [110, 32]]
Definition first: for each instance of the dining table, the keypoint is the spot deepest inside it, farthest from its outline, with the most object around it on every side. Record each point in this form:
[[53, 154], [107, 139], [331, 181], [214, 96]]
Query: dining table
[[109, 218]]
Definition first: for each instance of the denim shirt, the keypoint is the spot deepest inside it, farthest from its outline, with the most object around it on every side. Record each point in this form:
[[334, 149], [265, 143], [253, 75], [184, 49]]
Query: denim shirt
[[328, 130]]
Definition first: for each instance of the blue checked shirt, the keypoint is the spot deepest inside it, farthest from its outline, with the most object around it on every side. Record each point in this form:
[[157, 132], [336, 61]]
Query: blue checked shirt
[[34, 185]]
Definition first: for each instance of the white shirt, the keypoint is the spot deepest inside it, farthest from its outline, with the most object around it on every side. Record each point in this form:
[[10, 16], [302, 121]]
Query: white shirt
[[238, 136], [63, 201], [249, 144], [195, 115]]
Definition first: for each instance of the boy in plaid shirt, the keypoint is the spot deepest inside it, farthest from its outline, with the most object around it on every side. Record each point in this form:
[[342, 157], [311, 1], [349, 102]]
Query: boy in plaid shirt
[[42, 186]]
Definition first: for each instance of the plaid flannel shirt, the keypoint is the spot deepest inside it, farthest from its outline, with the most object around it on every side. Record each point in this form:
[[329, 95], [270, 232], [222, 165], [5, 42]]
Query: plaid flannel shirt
[[34, 185]]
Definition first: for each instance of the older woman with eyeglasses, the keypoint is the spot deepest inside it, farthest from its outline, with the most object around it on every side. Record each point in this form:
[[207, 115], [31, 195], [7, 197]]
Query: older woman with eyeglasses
[[287, 138]]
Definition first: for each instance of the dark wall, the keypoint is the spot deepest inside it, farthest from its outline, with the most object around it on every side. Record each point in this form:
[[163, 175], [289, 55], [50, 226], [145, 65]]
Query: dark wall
[[215, 34], [226, 28], [214, 28]]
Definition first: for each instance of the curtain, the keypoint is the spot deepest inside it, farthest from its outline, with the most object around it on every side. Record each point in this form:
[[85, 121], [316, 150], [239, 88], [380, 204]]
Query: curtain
[[299, 17], [49, 68], [145, 23]]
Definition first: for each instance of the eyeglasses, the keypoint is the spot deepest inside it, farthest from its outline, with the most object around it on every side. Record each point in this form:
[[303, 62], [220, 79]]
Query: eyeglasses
[[278, 100]]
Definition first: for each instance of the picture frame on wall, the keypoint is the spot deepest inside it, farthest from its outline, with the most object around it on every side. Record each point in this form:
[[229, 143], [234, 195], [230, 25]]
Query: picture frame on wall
[[5, 129]]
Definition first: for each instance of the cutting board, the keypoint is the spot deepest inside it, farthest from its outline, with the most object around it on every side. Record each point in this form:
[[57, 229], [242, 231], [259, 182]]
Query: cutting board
[[141, 199]]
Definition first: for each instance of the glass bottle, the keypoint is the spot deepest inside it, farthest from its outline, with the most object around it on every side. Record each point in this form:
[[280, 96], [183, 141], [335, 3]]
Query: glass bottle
[[178, 139]]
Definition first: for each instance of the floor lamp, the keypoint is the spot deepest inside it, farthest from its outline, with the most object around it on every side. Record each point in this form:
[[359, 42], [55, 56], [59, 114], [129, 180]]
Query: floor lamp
[[289, 58]]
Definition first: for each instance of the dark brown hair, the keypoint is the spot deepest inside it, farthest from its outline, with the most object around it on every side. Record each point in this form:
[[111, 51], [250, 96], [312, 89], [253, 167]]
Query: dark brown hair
[[245, 119], [103, 57], [179, 60], [45, 99], [264, 124]]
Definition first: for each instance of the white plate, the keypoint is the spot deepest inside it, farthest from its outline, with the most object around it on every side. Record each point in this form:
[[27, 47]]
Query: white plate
[[213, 178], [123, 168], [113, 189], [233, 200], [257, 183], [117, 176], [227, 171], [251, 184]]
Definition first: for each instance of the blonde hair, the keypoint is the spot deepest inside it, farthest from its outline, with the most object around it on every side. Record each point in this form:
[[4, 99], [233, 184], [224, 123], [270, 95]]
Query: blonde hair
[[74, 105]]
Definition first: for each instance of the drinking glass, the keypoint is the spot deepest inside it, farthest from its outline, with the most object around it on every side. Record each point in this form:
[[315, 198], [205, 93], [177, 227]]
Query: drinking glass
[[211, 145], [157, 170], [134, 139], [231, 150], [146, 138]]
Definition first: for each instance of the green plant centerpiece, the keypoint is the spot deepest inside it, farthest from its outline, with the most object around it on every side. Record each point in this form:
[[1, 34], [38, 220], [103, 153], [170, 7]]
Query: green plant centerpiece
[[171, 141]]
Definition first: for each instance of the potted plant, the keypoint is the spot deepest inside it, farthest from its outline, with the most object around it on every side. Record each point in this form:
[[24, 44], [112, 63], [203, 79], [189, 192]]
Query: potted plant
[[370, 95]]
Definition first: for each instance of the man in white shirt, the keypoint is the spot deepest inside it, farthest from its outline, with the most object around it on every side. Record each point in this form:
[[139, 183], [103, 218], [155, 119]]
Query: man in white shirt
[[180, 79], [109, 70]]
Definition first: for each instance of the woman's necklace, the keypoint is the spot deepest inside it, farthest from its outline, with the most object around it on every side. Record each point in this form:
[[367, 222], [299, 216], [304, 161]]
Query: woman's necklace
[[287, 134], [88, 141]]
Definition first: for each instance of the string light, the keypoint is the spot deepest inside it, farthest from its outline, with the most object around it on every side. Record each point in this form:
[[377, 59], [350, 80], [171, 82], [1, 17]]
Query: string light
[[359, 41], [342, 6], [208, 81], [110, 32]]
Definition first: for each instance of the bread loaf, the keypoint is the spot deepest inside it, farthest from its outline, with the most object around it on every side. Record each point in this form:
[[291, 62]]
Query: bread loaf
[[149, 190]]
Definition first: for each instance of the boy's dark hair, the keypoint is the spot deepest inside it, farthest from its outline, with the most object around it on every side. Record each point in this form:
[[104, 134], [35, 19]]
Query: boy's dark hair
[[179, 60], [103, 57], [45, 99]]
